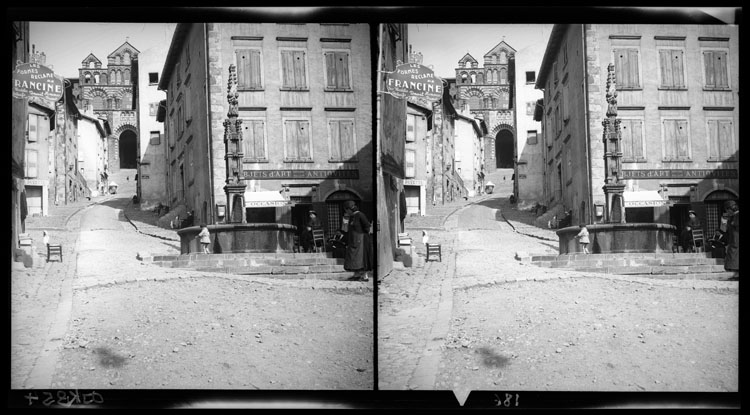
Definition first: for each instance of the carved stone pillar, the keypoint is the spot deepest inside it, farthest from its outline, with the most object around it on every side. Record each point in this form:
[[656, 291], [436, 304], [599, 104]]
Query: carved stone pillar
[[235, 184], [613, 183]]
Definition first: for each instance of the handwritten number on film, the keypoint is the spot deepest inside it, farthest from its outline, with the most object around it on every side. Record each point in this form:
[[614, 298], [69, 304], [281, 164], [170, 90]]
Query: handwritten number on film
[[507, 402], [66, 398]]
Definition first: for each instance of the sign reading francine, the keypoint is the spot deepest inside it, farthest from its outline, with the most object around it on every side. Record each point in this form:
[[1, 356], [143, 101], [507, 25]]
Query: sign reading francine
[[35, 80], [414, 80]]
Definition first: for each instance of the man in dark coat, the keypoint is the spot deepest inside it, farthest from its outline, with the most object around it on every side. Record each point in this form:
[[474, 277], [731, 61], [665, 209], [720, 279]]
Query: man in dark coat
[[732, 236], [358, 247]]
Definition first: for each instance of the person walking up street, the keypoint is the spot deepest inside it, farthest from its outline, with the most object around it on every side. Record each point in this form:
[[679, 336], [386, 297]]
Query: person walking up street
[[205, 238], [358, 248], [583, 239]]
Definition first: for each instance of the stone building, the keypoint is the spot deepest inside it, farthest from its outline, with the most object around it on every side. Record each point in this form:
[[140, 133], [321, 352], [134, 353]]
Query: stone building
[[489, 91], [417, 157], [92, 152], [469, 143], [391, 113], [304, 93], [39, 157], [446, 184], [20, 51], [109, 91], [678, 106], [69, 184]]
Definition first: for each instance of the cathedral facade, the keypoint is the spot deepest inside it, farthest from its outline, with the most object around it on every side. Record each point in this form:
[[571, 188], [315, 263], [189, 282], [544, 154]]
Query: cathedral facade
[[109, 91]]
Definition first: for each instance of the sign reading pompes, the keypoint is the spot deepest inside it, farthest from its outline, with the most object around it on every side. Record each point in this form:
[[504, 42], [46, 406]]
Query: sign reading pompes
[[34, 80], [414, 80]]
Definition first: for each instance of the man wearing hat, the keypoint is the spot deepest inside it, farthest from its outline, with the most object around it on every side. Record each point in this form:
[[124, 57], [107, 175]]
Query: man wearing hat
[[358, 247], [687, 231], [306, 237]]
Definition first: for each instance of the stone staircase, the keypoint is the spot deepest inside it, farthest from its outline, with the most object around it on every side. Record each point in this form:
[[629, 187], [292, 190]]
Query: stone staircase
[[271, 265], [697, 266]]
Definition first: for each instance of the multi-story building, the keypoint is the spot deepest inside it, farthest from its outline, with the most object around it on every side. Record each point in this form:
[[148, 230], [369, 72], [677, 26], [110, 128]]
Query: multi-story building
[[20, 50], [92, 152], [469, 142], [530, 172], [417, 157], [489, 91], [39, 156], [304, 98], [109, 90], [446, 185], [393, 40], [69, 184], [678, 104], [152, 169]]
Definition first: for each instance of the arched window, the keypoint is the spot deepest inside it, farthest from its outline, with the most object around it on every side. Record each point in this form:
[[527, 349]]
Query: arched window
[[480, 78], [503, 57], [91, 64], [126, 58], [503, 76], [473, 78], [486, 102], [87, 78], [96, 78], [109, 103], [464, 78], [126, 77], [104, 78], [118, 77]]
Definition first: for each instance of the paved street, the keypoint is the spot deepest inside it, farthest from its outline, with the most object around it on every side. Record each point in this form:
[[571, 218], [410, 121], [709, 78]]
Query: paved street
[[481, 319], [104, 319]]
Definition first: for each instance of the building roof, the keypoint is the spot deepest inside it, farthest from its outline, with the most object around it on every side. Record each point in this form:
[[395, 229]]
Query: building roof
[[175, 47], [122, 47], [101, 124], [467, 58], [550, 53], [89, 58], [498, 47]]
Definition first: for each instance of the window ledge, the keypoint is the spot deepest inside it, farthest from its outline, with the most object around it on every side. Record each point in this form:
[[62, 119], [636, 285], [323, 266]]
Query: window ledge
[[716, 88], [349, 160], [629, 88], [720, 160], [287, 160], [250, 89], [254, 160], [338, 90], [672, 88], [635, 161], [677, 161], [305, 89]]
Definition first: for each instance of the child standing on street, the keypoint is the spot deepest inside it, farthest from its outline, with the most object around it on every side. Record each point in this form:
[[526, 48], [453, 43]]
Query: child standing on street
[[583, 238], [205, 239]]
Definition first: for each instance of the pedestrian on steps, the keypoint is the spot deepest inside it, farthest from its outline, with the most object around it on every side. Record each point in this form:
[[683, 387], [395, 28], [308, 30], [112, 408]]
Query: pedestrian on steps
[[583, 238], [205, 238]]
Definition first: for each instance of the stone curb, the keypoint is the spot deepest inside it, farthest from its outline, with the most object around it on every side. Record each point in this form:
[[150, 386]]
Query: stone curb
[[146, 233]]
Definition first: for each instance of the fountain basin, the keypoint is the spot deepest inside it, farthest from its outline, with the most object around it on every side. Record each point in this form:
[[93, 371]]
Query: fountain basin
[[619, 238], [241, 237]]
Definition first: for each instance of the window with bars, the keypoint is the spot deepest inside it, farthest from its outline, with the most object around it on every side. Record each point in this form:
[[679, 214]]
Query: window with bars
[[672, 68], [626, 68], [297, 146], [249, 69], [675, 139], [337, 71], [342, 146], [720, 139], [293, 71], [631, 131], [333, 211], [254, 140], [715, 69]]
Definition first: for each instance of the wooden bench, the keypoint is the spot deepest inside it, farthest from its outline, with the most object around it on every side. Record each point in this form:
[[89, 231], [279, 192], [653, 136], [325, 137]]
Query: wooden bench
[[432, 250], [54, 249]]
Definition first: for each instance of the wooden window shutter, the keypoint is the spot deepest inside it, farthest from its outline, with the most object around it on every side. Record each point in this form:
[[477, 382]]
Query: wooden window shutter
[[347, 139], [333, 131], [290, 128], [259, 139], [636, 129], [627, 139], [726, 146], [678, 70], [681, 134], [713, 138], [248, 139], [248, 68], [621, 67], [708, 67], [299, 69], [669, 139], [342, 69], [665, 66], [633, 78], [33, 130], [331, 70], [287, 69], [303, 139], [720, 69]]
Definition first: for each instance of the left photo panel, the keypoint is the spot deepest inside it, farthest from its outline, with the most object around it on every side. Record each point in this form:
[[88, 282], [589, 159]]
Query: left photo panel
[[193, 206]]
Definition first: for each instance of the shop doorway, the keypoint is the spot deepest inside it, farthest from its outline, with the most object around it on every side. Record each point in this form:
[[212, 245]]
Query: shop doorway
[[335, 210], [301, 206], [504, 149], [128, 150]]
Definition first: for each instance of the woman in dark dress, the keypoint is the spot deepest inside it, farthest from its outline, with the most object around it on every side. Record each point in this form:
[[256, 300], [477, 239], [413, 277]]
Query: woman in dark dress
[[732, 236], [358, 248]]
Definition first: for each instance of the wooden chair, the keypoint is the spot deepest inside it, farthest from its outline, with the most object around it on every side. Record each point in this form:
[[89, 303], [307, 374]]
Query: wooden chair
[[54, 249], [699, 244], [675, 243], [319, 240], [295, 244], [432, 250]]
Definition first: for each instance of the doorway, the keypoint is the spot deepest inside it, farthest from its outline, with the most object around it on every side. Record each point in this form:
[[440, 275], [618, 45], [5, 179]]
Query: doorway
[[128, 150], [504, 149]]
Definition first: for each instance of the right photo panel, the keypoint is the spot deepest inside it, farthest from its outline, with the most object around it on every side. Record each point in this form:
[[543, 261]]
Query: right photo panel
[[557, 207]]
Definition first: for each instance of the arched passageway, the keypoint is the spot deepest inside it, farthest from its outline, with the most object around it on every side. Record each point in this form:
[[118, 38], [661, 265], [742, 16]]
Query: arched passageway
[[504, 149], [128, 150]]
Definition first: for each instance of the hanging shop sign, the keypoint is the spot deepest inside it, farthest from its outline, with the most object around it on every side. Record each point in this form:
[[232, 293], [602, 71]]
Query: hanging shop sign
[[412, 80], [35, 80]]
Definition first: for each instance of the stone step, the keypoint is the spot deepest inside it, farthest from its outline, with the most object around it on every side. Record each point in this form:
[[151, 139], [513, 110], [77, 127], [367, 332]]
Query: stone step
[[630, 262], [339, 276], [211, 262], [657, 270], [664, 255], [281, 255], [715, 276]]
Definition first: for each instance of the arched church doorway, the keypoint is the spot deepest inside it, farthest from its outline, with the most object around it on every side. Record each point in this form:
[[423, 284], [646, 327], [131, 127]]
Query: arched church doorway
[[128, 149], [504, 149]]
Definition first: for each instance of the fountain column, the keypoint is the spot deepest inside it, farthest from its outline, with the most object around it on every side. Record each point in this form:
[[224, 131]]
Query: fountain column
[[235, 184], [614, 186]]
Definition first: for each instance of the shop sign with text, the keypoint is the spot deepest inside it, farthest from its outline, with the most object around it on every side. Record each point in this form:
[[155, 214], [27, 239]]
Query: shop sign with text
[[680, 174], [412, 80], [300, 174], [35, 80]]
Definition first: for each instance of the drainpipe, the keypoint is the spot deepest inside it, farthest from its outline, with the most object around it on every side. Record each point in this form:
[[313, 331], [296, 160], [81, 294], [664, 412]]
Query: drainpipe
[[212, 203], [587, 156]]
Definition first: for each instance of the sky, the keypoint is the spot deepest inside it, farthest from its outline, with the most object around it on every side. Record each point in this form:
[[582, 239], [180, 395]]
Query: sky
[[67, 44], [442, 45]]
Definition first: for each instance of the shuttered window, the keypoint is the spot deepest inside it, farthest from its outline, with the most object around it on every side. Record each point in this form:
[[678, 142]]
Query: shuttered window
[[676, 145], [248, 69], [626, 68], [672, 68], [31, 163], [720, 139], [715, 69], [337, 70], [341, 140], [631, 131], [35, 129], [254, 139], [297, 140], [293, 74], [411, 163]]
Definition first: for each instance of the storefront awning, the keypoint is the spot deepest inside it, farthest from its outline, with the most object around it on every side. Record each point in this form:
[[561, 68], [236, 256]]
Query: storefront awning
[[268, 198], [643, 198]]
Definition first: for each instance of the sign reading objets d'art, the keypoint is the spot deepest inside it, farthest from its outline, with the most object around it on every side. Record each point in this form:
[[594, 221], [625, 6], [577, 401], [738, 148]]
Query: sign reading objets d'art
[[300, 174], [680, 174], [412, 80], [32, 80]]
